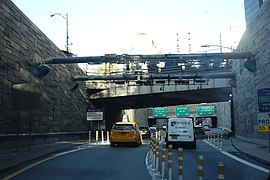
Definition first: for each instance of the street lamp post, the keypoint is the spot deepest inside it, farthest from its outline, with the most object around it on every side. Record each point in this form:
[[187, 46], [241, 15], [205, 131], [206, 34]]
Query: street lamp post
[[207, 45], [65, 16]]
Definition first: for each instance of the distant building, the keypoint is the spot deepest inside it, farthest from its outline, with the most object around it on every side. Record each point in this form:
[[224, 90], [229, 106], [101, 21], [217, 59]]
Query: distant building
[[251, 9]]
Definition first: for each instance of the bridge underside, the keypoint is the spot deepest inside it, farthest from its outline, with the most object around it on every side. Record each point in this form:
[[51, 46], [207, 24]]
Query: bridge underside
[[165, 99]]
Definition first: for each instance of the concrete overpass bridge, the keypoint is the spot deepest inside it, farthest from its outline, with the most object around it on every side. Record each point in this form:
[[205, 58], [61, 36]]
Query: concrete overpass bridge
[[184, 79]]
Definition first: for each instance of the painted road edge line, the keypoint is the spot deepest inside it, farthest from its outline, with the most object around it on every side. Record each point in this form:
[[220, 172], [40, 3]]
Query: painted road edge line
[[41, 161], [239, 159]]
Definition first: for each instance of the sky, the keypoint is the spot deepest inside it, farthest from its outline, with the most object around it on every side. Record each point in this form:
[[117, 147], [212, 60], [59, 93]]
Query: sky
[[99, 27]]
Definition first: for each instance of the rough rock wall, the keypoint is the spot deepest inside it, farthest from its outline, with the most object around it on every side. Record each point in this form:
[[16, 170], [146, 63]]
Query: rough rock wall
[[23, 47], [256, 39]]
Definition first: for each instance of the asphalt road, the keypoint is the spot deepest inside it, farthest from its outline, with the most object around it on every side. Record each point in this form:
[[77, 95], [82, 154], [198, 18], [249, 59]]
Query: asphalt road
[[96, 162], [128, 162], [234, 170]]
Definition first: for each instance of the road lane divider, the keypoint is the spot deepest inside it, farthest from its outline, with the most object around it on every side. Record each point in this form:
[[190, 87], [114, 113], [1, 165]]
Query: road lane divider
[[89, 137], [180, 163], [108, 137], [239, 159], [102, 137], [221, 170], [200, 167], [163, 160], [170, 173], [157, 155], [215, 139]]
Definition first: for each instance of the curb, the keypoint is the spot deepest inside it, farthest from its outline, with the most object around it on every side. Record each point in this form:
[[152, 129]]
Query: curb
[[250, 155]]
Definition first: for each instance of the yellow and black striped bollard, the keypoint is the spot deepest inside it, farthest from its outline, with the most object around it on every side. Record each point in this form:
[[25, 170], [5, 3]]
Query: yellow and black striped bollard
[[221, 171], [170, 162], [164, 149], [200, 167], [180, 163]]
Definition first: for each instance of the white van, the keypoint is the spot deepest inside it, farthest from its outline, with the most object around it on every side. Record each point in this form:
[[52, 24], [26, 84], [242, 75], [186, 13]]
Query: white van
[[180, 131]]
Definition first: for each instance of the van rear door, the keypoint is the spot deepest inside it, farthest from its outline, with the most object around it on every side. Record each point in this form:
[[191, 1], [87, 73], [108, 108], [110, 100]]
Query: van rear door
[[180, 130]]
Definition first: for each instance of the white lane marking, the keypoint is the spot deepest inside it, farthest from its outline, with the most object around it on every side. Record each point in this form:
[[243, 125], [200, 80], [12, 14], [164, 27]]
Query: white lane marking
[[70, 151], [245, 162], [238, 159]]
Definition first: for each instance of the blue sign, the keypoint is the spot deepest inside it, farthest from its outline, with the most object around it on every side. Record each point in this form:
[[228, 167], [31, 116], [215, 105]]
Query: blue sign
[[264, 99]]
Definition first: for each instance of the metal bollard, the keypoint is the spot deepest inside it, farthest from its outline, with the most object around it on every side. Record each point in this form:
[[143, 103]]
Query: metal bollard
[[163, 160], [218, 140], [200, 167], [89, 137], [221, 170], [157, 155], [170, 162], [154, 153], [221, 141], [96, 137], [108, 137], [102, 137], [180, 163], [150, 148]]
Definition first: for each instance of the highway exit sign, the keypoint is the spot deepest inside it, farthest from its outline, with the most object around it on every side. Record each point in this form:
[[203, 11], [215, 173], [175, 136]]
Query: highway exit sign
[[160, 112], [182, 111], [264, 99], [205, 110]]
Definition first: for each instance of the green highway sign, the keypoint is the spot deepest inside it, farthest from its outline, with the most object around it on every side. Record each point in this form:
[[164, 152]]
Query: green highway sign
[[205, 110], [182, 111], [160, 112]]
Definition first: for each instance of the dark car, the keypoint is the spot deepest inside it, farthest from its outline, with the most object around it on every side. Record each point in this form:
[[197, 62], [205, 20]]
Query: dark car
[[145, 131]]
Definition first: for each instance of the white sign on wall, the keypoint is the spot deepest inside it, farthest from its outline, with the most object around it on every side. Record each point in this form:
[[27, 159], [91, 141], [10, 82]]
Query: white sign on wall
[[263, 120], [94, 115]]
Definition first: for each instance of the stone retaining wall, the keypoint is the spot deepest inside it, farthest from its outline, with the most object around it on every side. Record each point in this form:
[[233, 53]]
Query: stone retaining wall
[[256, 39], [23, 47]]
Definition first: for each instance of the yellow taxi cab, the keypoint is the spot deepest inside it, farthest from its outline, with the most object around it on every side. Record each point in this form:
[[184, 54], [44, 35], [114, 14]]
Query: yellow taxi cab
[[125, 132]]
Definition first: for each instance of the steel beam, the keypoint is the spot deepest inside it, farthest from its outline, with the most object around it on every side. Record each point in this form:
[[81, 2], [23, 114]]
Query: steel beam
[[125, 58]]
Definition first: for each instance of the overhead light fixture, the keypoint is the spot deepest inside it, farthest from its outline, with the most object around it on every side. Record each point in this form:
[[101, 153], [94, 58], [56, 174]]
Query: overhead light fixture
[[74, 87], [232, 83], [42, 71], [250, 65]]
